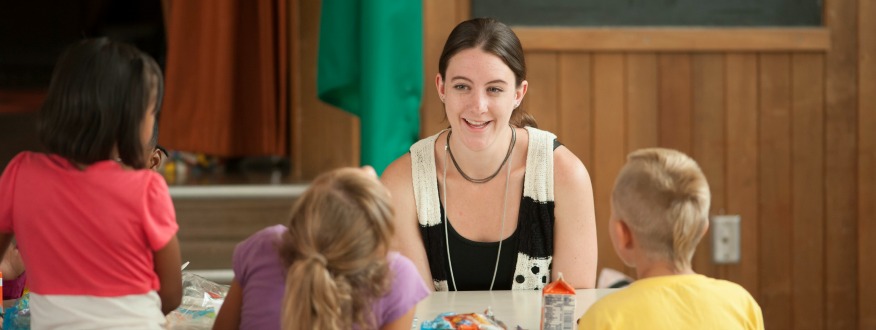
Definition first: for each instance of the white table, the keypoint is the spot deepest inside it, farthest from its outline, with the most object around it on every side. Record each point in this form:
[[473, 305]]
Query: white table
[[515, 308]]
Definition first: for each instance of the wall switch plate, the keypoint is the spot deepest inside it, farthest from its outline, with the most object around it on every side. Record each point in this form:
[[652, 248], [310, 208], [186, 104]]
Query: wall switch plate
[[726, 239]]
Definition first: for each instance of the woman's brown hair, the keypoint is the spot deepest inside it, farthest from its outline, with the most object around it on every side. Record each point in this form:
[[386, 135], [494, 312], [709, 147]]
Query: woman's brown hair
[[336, 247], [495, 38]]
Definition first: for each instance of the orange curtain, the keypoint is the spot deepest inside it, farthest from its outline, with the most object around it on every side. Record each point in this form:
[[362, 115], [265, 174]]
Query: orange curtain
[[226, 77]]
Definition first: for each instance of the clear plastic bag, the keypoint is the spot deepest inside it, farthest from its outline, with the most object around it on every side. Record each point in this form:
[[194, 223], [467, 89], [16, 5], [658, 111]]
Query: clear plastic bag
[[201, 301], [469, 321], [17, 317]]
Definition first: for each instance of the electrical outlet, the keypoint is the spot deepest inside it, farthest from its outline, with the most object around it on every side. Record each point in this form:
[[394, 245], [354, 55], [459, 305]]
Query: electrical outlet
[[726, 239]]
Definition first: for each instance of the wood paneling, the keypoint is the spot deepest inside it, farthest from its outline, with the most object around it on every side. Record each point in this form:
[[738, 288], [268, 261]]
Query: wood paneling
[[709, 143], [807, 190], [867, 163], [295, 143], [609, 144], [642, 101], [576, 106], [675, 101], [320, 125], [775, 189], [209, 229], [841, 204], [673, 39], [542, 98], [742, 165], [439, 18]]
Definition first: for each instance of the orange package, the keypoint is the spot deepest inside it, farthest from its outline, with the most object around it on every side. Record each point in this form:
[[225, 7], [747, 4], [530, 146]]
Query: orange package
[[558, 306]]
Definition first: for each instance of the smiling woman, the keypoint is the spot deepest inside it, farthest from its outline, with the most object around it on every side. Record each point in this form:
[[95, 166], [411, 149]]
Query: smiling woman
[[516, 207]]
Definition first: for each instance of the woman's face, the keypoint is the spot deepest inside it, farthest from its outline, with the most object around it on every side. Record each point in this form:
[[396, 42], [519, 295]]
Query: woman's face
[[479, 94]]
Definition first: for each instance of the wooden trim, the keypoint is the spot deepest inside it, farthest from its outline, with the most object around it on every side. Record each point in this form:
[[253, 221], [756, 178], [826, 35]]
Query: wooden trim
[[841, 156], [742, 164], [807, 179], [294, 88], [866, 162], [775, 225], [237, 191], [674, 39]]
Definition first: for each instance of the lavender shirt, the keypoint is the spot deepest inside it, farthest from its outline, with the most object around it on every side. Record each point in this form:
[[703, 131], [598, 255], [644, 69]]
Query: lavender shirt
[[261, 275]]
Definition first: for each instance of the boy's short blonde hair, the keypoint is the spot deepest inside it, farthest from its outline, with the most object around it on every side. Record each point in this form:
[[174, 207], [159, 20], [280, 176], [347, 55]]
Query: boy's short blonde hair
[[663, 196]]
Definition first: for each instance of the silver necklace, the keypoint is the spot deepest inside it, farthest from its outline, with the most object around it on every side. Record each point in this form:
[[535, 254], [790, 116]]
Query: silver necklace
[[490, 177], [504, 211]]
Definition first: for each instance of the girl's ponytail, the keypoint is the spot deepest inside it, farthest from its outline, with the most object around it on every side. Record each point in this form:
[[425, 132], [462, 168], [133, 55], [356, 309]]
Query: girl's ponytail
[[313, 298], [336, 247]]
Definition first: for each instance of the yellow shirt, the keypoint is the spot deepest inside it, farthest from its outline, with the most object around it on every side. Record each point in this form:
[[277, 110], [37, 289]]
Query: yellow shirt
[[676, 302]]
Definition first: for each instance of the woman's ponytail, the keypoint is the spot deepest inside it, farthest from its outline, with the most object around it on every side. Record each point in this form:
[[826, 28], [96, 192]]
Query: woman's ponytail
[[520, 118]]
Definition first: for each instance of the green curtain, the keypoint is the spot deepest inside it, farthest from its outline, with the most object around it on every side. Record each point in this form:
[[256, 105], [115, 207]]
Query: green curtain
[[371, 65]]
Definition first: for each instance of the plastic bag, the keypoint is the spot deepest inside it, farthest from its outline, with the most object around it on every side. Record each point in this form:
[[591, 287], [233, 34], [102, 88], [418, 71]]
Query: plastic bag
[[469, 321], [17, 317], [201, 301]]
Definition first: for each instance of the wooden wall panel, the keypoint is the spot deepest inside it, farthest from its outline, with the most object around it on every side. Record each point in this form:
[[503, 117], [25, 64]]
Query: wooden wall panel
[[775, 189], [576, 106], [319, 121], [296, 156], [675, 101], [742, 165], [210, 228], [867, 164], [609, 145], [807, 157], [673, 39], [439, 18], [841, 246], [542, 98], [642, 101], [709, 143]]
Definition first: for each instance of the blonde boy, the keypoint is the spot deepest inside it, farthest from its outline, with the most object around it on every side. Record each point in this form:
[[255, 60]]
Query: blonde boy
[[659, 212]]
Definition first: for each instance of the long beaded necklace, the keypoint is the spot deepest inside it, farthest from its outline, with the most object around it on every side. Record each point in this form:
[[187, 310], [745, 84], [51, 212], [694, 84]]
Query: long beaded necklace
[[504, 205]]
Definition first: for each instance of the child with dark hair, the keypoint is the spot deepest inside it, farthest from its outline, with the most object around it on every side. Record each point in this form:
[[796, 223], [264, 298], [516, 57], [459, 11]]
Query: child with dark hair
[[97, 229]]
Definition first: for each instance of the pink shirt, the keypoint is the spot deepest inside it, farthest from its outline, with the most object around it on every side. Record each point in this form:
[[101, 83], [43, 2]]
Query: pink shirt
[[85, 232]]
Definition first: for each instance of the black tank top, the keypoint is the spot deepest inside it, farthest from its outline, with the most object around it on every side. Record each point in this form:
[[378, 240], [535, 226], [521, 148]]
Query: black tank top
[[474, 262]]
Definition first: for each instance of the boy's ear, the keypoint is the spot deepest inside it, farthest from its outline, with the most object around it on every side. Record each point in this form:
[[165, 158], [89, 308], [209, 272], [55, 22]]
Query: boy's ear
[[705, 228], [622, 238], [623, 234]]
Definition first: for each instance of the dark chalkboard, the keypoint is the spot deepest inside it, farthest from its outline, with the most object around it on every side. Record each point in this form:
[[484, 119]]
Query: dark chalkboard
[[651, 12]]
